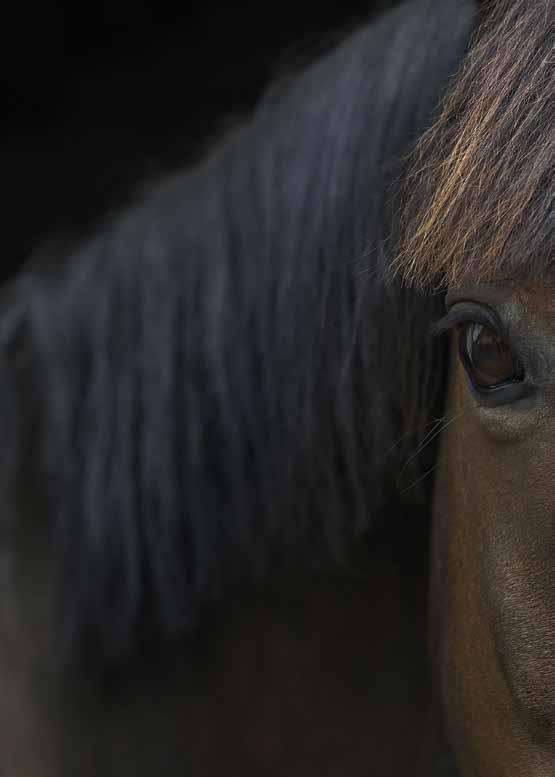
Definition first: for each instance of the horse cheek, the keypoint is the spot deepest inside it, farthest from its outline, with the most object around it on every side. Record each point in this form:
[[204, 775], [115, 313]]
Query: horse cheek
[[477, 717]]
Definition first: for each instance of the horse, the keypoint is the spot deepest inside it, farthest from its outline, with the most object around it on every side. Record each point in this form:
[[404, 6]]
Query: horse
[[234, 416], [480, 225]]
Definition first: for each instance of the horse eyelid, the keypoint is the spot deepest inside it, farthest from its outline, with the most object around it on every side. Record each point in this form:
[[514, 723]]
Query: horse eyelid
[[451, 320], [474, 315]]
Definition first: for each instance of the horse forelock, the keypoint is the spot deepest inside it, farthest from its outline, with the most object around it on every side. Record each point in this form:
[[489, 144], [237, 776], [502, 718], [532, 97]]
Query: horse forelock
[[479, 197]]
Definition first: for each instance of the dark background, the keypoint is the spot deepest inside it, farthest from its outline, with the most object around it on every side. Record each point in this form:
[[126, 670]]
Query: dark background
[[99, 97]]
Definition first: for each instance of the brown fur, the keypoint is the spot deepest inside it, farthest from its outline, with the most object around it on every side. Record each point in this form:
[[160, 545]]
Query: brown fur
[[480, 196]]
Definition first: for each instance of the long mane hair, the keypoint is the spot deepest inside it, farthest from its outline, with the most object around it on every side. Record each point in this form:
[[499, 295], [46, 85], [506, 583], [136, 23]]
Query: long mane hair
[[219, 383]]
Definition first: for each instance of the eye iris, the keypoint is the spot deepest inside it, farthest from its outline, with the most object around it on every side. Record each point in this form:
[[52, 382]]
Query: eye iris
[[488, 360]]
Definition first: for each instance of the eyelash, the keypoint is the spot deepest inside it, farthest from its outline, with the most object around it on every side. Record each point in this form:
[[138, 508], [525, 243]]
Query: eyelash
[[456, 318]]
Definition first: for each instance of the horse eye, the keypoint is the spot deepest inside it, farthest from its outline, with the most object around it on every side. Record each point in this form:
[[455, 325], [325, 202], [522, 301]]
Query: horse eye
[[487, 358]]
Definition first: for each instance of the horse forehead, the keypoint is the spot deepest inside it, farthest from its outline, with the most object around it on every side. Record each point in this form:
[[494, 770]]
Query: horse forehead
[[538, 298]]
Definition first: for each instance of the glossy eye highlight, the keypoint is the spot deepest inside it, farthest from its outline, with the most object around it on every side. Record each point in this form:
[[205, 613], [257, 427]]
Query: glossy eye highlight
[[488, 360]]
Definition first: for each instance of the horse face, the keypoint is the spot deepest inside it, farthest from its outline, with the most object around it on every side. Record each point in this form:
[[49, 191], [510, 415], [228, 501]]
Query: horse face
[[493, 576]]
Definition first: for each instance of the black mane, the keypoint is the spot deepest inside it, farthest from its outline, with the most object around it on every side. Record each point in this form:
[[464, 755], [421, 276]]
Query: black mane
[[217, 383]]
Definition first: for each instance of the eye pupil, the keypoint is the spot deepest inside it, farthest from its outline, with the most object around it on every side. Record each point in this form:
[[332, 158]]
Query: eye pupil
[[487, 358]]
